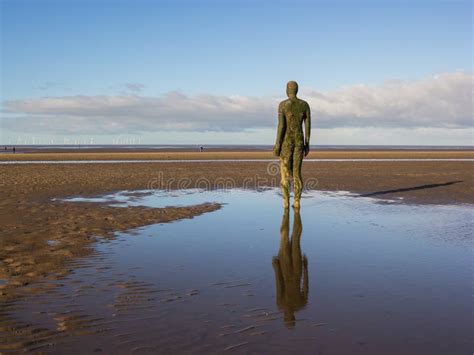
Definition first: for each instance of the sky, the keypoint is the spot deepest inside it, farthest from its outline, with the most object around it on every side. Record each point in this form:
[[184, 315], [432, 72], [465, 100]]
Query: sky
[[213, 72]]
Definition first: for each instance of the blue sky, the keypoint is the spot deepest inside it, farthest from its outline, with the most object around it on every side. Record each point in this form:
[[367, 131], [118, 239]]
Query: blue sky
[[104, 50]]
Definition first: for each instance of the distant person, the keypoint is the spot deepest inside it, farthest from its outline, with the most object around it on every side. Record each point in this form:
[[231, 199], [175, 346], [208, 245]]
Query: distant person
[[291, 144], [201, 149], [13, 150], [291, 270]]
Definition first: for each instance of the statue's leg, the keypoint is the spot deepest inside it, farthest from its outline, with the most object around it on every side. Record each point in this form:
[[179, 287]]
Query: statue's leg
[[285, 179], [297, 179]]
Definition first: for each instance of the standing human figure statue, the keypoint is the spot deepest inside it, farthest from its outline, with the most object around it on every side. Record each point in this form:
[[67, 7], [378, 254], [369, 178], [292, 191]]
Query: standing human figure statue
[[291, 144]]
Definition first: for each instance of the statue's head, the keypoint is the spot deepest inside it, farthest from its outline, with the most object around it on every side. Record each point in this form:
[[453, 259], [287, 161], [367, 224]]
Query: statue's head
[[291, 89]]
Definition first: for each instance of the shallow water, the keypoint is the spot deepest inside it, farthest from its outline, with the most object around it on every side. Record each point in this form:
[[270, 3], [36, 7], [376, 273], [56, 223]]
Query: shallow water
[[345, 275]]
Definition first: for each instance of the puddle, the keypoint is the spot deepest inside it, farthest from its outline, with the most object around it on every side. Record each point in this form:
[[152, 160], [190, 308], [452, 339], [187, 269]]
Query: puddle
[[166, 198], [345, 275], [188, 197]]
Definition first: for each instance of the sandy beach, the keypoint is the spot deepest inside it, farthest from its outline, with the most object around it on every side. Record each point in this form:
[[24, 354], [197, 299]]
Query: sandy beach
[[42, 234], [126, 154], [32, 215], [417, 181]]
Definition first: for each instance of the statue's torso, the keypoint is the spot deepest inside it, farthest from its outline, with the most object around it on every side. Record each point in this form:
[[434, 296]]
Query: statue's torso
[[294, 111]]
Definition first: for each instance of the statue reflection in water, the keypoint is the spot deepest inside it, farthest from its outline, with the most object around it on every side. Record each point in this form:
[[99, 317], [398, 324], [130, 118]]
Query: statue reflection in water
[[291, 269]]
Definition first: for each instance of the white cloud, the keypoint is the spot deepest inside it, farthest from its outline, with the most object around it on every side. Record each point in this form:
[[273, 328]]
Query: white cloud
[[442, 101]]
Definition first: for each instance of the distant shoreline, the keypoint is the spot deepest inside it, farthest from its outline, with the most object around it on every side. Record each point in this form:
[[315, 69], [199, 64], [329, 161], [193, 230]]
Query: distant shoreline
[[229, 155], [216, 148]]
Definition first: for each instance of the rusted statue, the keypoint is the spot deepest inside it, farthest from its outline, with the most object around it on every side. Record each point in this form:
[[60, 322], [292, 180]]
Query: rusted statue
[[291, 270], [291, 144]]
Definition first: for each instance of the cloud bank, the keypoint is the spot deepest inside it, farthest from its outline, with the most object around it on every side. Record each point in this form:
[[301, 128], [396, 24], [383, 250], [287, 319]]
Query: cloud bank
[[442, 101]]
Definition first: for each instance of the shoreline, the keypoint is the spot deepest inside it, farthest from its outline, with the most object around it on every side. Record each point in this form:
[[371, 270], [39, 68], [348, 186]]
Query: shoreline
[[164, 161], [236, 155]]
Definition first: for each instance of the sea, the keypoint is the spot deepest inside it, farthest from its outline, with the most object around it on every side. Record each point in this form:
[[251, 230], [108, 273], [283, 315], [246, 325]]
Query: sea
[[220, 147]]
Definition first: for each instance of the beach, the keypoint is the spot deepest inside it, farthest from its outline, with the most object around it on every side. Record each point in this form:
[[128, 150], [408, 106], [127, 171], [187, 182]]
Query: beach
[[42, 233], [370, 172], [32, 213]]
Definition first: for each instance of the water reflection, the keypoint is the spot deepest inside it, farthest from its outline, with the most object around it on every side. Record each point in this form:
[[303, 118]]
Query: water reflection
[[291, 269]]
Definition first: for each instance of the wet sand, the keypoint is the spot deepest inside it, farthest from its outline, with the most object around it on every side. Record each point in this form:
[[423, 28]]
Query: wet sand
[[30, 217], [39, 235], [216, 155], [442, 182]]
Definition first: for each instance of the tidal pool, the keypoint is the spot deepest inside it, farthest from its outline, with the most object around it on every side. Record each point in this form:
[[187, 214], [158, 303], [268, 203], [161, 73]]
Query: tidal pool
[[344, 275]]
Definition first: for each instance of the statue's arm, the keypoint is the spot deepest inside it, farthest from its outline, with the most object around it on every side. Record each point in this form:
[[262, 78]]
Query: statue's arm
[[307, 129], [280, 131]]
